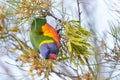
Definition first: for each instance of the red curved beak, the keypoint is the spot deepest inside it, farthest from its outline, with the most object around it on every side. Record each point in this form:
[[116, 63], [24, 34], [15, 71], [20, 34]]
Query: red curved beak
[[52, 56]]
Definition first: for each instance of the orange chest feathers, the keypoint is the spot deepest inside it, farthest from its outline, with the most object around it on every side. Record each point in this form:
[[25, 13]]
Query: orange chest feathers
[[51, 32]]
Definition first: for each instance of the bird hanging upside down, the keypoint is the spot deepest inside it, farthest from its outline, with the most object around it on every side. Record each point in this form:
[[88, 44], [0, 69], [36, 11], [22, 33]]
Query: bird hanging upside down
[[44, 38]]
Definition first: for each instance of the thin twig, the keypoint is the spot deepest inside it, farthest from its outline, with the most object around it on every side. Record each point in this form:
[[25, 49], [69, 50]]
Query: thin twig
[[89, 67], [49, 14], [79, 13]]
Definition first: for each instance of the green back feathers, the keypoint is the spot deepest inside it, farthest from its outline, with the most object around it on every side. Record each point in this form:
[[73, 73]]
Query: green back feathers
[[36, 35], [37, 23]]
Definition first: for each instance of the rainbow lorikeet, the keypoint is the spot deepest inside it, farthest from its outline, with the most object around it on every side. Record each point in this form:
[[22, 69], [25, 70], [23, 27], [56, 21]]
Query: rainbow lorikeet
[[44, 38]]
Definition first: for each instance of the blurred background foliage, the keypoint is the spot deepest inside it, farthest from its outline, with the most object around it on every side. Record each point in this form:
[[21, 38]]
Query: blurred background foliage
[[83, 55]]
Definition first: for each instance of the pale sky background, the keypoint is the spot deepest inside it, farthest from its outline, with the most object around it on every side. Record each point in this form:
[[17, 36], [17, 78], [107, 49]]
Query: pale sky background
[[98, 16]]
